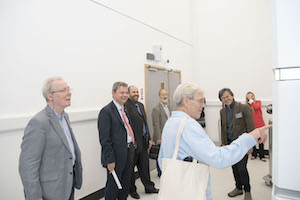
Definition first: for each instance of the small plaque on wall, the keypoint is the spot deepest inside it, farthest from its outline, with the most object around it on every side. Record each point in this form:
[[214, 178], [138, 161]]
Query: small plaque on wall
[[162, 85]]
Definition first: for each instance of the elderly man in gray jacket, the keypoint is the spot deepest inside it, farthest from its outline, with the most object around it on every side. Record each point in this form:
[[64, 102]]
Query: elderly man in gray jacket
[[160, 115], [50, 160]]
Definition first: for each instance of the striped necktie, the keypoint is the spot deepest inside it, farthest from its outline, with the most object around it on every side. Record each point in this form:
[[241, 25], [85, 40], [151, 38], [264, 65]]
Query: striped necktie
[[127, 124]]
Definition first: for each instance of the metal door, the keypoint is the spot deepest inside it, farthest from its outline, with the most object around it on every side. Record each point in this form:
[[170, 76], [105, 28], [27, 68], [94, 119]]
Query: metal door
[[157, 78]]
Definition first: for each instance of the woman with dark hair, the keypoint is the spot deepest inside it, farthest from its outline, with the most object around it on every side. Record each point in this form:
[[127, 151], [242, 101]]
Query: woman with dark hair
[[255, 106]]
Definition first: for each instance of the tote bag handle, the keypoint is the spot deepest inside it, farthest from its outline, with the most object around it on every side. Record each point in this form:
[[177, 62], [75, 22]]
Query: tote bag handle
[[179, 133]]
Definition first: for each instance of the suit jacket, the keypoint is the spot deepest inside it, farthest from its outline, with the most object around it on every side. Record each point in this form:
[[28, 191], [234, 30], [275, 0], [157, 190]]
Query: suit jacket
[[137, 124], [159, 118], [113, 137], [242, 121], [46, 165]]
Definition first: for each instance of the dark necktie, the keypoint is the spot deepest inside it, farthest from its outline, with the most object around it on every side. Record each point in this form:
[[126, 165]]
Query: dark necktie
[[144, 125]]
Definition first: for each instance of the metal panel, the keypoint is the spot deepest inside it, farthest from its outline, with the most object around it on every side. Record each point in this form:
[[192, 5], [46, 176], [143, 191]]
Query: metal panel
[[154, 79], [286, 33], [287, 74], [286, 137]]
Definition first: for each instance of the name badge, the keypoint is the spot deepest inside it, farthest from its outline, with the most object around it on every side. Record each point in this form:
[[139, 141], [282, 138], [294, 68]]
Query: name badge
[[238, 115]]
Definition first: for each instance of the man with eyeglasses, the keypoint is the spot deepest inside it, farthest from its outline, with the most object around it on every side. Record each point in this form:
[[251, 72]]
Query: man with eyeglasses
[[195, 143], [160, 114], [201, 120], [50, 159], [236, 119]]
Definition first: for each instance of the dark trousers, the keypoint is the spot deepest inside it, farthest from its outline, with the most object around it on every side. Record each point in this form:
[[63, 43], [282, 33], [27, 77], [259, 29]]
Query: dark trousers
[[261, 151], [241, 175], [141, 160], [157, 166], [111, 190], [72, 190]]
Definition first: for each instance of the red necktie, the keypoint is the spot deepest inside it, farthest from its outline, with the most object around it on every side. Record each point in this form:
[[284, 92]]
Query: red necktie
[[127, 124]]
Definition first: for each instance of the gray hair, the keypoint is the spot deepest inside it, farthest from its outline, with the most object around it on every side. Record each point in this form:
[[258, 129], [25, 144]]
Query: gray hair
[[48, 85], [185, 90], [117, 85], [161, 91]]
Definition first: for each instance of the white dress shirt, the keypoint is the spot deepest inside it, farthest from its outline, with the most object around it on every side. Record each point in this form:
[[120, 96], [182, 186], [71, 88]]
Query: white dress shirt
[[166, 108], [129, 138]]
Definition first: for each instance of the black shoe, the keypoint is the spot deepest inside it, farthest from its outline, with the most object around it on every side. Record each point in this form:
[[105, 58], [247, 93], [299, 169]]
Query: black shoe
[[159, 174], [135, 195], [152, 190]]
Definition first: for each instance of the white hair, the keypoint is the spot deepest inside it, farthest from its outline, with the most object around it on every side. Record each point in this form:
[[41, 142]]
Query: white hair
[[185, 90], [48, 85]]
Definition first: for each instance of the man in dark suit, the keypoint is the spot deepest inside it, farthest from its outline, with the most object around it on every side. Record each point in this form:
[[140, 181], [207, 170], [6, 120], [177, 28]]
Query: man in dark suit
[[138, 119], [236, 119], [50, 159], [118, 143]]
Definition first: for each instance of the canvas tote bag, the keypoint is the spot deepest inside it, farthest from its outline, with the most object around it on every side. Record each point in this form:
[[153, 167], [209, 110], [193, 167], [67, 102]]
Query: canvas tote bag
[[182, 180]]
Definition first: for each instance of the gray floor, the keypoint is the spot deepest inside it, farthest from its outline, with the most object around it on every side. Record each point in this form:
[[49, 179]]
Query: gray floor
[[223, 182]]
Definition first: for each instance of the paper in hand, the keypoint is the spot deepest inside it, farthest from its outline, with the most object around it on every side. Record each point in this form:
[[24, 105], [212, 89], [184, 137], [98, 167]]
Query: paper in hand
[[250, 101], [117, 180]]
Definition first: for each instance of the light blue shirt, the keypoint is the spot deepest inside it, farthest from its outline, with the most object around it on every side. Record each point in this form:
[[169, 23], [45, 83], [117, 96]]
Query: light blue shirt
[[65, 127], [129, 138], [196, 143]]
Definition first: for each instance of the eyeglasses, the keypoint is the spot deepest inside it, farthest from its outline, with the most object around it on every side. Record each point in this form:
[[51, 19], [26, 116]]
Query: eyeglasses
[[225, 97], [66, 90], [202, 101]]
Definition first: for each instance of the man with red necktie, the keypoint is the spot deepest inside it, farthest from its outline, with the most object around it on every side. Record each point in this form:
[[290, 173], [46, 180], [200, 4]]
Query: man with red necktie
[[117, 142]]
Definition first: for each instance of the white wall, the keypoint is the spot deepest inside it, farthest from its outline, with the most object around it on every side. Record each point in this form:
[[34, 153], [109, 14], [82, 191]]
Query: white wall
[[91, 46], [232, 48]]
